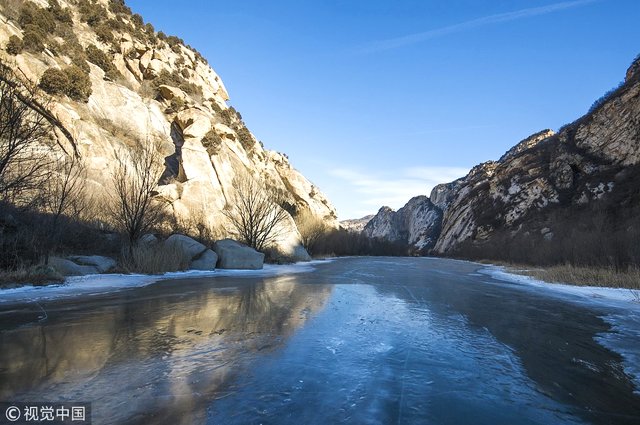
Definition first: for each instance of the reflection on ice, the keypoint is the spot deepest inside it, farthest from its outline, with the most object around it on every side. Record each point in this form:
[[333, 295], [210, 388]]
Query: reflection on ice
[[158, 356], [359, 340]]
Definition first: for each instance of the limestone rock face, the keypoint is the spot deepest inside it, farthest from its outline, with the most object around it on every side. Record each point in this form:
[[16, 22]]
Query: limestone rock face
[[547, 172], [356, 225], [443, 194], [181, 110], [527, 143], [234, 255], [417, 224], [542, 178]]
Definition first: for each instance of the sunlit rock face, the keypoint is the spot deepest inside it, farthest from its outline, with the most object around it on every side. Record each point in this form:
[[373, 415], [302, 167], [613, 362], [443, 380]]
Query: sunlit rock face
[[355, 225], [416, 225], [536, 186], [204, 142], [590, 159]]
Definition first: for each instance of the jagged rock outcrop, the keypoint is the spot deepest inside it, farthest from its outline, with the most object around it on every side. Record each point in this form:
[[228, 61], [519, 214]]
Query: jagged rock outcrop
[[416, 225], [587, 160], [544, 185], [442, 194], [157, 89], [356, 225]]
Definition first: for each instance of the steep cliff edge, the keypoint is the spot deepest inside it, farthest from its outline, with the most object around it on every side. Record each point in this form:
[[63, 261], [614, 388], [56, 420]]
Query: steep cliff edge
[[572, 196], [551, 182], [146, 86], [416, 225]]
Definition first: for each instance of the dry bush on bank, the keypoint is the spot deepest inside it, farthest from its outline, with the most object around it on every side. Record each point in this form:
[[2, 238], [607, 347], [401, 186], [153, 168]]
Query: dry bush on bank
[[344, 243], [587, 276], [35, 275], [311, 228], [154, 259]]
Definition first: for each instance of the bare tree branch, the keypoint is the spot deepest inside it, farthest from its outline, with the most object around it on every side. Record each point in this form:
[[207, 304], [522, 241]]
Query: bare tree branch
[[255, 213], [63, 194], [135, 177], [24, 139]]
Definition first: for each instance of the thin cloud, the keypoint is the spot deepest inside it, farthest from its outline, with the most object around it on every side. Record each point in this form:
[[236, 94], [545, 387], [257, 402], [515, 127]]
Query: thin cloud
[[396, 189], [394, 43]]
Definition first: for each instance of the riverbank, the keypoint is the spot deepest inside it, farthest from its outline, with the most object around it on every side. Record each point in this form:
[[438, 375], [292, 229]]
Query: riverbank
[[97, 284], [568, 280]]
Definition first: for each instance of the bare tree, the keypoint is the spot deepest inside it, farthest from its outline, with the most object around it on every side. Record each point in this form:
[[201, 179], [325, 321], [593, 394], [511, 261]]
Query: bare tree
[[62, 194], [255, 213], [24, 138], [312, 228], [135, 177]]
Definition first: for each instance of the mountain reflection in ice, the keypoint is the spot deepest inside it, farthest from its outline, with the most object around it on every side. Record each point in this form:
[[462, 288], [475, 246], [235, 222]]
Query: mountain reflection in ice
[[160, 354]]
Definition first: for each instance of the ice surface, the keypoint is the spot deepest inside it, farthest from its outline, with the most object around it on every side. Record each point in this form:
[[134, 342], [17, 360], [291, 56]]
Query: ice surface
[[624, 334]]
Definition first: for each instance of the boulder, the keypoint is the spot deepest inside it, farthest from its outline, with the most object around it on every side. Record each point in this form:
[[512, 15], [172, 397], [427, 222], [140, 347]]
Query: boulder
[[148, 240], [169, 92], [69, 268], [206, 261], [187, 246], [102, 264], [300, 254], [234, 255], [194, 123]]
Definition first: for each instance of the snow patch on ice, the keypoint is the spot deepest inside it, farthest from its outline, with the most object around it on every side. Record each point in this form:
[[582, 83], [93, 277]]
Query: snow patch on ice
[[104, 283], [595, 293]]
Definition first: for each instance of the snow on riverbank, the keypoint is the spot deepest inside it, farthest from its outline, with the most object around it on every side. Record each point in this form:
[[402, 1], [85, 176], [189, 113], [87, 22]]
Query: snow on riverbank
[[588, 292], [624, 319], [105, 283]]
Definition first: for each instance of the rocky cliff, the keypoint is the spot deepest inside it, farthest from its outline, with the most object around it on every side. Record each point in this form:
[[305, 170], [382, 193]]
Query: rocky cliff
[[417, 224], [355, 225], [145, 86], [548, 189]]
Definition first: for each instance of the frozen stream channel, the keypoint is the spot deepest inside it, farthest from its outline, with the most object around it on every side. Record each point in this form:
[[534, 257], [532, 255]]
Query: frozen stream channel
[[356, 340]]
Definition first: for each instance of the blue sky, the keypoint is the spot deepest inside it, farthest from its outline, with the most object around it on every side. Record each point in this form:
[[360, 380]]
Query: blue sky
[[377, 101]]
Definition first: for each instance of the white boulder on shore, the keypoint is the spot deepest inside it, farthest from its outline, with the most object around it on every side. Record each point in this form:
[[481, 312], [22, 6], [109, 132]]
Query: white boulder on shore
[[234, 255]]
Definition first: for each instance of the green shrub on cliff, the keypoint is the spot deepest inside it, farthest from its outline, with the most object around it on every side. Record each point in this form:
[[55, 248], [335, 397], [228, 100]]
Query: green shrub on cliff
[[104, 61], [72, 81], [33, 40], [54, 81], [104, 33], [14, 45]]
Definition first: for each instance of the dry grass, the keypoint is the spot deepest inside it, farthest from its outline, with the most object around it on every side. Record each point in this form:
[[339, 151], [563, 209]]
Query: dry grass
[[154, 259], [36, 276], [583, 276]]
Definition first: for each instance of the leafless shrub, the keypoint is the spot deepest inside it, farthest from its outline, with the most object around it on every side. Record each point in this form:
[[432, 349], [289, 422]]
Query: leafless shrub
[[197, 227], [24, 138], [255, 213], [133, 209], [312, 228], [62, 195]]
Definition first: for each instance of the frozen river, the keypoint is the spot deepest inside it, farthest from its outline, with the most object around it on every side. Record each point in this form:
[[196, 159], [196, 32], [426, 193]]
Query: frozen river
[[356, 340]]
